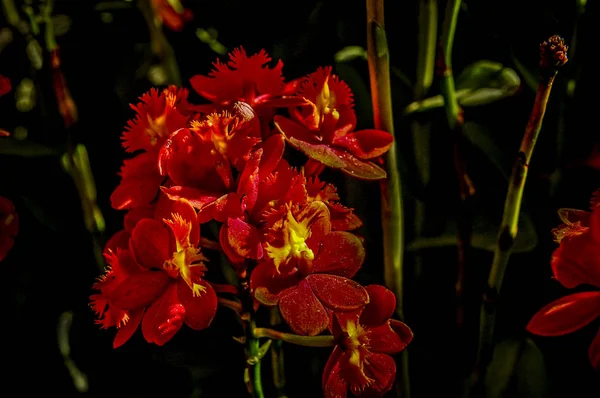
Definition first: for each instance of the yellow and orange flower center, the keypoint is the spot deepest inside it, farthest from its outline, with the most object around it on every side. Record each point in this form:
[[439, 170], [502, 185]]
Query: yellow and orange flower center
[[324, 105], [187, 261], [157, 127], [355, 343], [294, 246]]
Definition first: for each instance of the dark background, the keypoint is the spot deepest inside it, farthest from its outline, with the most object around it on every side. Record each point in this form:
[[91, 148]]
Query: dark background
[[51, 267]]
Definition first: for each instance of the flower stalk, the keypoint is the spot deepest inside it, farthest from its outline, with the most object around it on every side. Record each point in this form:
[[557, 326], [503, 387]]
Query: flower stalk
[[391, 194], [553, 55], [307, 341], [454, 116], [392, 217]]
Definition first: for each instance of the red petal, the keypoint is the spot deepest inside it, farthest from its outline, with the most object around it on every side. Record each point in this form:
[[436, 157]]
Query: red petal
[[200, 310], [273, 148], [343, 218], [118, 240], [126, 331], [566, 315], [366, 144], [189, 216], [222, 208], [382, 304], [164, 317], [139, 290], [334, 385], [383, 339], [402, 330], [197, 197], [341, 253], [594, 351], [577, 261], [238, 262], [336, 292], [382, 369], [134, 216], [229, 82], [302, 311], [244, 239], [248, 182], [150, 243], [139, 184], [266, 276], [290, 129], [5, 86]]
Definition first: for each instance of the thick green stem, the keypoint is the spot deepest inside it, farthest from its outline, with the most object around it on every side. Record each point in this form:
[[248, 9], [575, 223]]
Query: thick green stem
[[391, 195], [553, 55], [392, 218]]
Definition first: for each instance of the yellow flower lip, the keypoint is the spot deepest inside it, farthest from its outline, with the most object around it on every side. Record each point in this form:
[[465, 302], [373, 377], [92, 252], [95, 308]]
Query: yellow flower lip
[[294, 242]]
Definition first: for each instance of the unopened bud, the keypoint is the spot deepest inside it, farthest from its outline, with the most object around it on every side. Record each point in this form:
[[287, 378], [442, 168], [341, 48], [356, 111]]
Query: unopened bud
[[553, 53], [244, 111]]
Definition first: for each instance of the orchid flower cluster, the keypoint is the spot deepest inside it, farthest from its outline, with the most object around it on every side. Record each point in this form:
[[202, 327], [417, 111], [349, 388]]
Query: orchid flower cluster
[[222, 168]]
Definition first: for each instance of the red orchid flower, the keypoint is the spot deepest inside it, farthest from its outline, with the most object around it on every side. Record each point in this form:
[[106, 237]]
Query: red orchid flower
[[324, 131], [158, 115], [246, 79], [9, 226], [366, 338], [167, 288], [261, 202], [306, 269], [575, 262]]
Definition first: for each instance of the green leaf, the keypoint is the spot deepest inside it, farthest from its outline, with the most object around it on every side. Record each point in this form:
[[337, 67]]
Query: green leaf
[[484, 237], [486, 141], [517, 370], [350, 53], [480, 83], [25, 148], [531, 79]]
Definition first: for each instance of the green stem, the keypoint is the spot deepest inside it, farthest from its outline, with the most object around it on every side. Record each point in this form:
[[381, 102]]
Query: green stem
[[392, 218], [391, 195], [307, 341], [231, 304], [447, 81], [512, 208], [456, 123], [428, 21], [253, 361], [277, 356]]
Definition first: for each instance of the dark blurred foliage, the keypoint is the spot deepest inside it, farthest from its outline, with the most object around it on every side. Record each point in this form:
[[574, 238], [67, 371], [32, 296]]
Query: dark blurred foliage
[[106, 55]]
